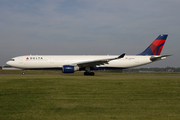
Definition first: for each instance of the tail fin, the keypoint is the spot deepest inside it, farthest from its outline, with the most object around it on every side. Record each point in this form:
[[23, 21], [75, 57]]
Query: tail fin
[[156, 47]]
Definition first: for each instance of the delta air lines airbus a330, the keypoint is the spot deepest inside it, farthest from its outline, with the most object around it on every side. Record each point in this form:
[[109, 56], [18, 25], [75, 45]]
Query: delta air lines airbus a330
[[87, 63]]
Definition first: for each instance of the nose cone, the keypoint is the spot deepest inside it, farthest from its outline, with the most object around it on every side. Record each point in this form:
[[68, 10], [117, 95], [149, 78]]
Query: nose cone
[[11, 62], [8, 63]]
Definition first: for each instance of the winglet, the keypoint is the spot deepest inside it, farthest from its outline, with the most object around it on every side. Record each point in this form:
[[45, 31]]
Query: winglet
[[121, 56]]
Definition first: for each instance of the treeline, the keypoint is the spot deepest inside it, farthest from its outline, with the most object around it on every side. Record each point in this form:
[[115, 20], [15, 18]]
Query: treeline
[[151, 70]]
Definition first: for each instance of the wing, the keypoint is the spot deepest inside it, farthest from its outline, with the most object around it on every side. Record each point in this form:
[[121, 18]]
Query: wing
[[94, 63]]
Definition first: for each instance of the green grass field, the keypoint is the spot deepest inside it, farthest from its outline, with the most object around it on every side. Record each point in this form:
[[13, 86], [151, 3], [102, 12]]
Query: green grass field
[[77, 97]]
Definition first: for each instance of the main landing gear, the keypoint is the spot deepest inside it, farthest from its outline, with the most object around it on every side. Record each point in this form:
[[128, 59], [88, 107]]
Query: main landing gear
[[89, 73]]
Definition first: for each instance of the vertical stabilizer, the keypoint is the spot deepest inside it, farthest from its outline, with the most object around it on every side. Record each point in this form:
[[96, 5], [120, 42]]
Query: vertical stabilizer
[[156, 47]]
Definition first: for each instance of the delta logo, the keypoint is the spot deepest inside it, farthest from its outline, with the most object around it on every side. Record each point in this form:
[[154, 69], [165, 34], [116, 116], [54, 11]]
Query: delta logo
[[34, 58]]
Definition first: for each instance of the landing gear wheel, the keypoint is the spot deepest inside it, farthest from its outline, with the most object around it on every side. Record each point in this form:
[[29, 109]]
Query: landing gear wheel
[[92, 73], [85, 73], [89, 73]]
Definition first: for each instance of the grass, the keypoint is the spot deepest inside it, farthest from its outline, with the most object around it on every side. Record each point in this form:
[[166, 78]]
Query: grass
[[76, 97]]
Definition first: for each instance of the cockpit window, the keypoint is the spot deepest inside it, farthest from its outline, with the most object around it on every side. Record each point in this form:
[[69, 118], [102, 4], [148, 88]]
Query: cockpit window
[[12, 59]]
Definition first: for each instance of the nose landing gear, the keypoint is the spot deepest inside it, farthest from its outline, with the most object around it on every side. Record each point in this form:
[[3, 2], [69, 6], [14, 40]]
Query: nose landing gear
[[23, 72]]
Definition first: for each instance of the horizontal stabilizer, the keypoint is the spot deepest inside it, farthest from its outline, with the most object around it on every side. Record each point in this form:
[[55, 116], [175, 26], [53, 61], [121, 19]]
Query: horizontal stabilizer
[[155, 58]]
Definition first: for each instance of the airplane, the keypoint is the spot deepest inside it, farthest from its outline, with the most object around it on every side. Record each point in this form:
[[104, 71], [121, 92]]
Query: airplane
[[89, 63]]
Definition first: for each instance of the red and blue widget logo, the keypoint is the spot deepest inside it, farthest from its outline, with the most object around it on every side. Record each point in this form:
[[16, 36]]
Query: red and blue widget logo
[[156, 47]]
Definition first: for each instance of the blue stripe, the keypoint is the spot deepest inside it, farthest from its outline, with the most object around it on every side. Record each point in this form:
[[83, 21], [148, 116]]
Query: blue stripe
[[148, 51], [56, 68], [109, 68], [161, 37], [95, 68]]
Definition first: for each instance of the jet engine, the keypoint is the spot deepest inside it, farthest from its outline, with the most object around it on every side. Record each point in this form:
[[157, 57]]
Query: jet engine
[[69, 69]]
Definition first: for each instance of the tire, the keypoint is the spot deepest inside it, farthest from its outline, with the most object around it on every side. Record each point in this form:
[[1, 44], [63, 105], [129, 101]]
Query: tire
[[92, 73]]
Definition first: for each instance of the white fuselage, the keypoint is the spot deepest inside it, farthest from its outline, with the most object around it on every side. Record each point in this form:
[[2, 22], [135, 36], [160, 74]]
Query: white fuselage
[[55, 61]]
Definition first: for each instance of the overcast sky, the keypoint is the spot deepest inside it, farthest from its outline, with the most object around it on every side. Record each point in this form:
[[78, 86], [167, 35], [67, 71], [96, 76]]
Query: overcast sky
[[88, 27]]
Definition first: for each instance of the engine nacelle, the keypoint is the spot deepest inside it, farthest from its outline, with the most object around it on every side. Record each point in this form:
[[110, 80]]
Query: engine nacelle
[[69, 69]]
